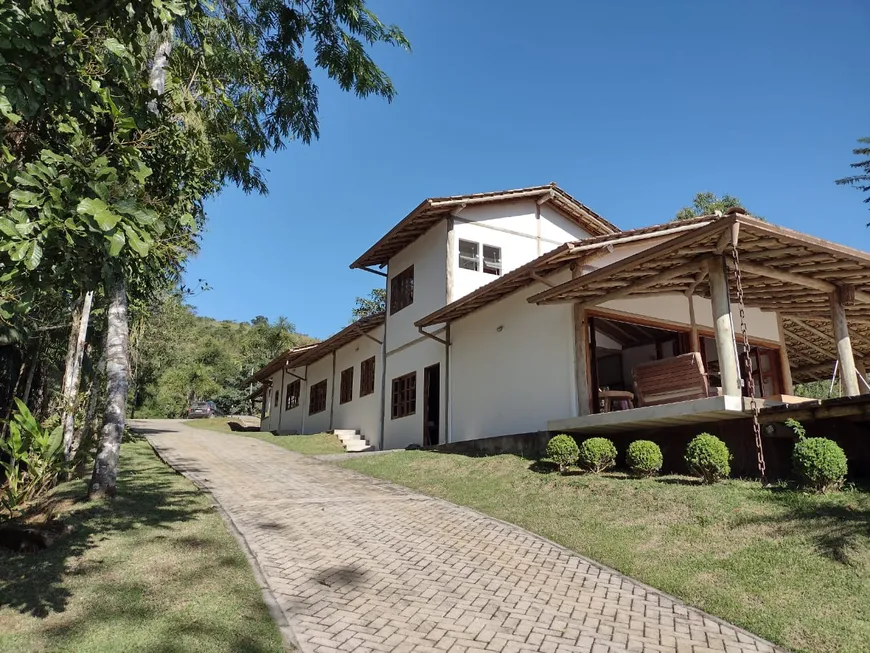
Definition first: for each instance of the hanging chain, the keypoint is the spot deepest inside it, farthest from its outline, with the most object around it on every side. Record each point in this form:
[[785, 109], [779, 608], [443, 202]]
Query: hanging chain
[[756, 427]]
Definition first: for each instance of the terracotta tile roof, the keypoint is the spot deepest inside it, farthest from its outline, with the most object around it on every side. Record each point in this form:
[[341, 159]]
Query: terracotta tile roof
[[548, 263], [430, 211]]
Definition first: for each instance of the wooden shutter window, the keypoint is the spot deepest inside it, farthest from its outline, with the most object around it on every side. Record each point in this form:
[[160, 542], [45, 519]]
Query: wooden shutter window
[[367, 377], [317, 398], [293, 391], [402, 290], [346, 389], [404, 399]]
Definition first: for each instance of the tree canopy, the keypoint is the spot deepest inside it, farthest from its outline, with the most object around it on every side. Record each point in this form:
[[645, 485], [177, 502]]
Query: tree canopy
[[707, 203], [860, 181], [375, 303]]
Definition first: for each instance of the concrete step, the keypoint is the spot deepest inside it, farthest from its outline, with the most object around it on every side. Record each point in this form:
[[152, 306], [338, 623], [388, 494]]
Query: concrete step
[[340, 432], [357, 445]]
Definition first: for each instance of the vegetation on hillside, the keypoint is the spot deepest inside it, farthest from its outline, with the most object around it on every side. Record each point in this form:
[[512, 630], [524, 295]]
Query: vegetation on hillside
[[179, 357]]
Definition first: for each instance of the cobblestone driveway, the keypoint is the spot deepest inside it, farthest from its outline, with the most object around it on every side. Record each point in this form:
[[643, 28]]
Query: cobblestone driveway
[[362, 565]]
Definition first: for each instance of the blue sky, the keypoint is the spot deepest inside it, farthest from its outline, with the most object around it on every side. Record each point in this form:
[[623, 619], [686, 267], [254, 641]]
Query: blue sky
[[631, 106]]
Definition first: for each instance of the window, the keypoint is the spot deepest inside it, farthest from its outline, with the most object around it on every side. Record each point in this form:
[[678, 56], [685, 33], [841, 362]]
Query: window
[[293, 391], [468, 255], [404, 396], [367, 377], [317, 398], [402, 290], [277, 397], [346, 389], [492, 260]]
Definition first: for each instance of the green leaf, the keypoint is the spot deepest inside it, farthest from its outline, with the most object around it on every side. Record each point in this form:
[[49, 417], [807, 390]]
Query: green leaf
[[18, 251], [8, 227], [25, 198], [187, 220], [97, 208], [139, 245], [26, 179], [114, 46], [6, 110], [143, 216], [33, 256], [116, 243]]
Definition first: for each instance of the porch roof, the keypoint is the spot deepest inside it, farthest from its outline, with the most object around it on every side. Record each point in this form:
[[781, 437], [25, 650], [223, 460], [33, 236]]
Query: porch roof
[[781, 270], [433, 209], [277, 363]]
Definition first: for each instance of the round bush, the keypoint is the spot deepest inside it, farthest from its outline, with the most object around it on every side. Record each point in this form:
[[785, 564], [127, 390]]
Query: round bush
[[708, 457], [597, 454], [644, 458], [563, 450], [820, 463]]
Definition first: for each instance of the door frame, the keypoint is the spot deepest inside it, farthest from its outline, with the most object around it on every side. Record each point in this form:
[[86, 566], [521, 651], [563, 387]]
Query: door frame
[[427, 374]]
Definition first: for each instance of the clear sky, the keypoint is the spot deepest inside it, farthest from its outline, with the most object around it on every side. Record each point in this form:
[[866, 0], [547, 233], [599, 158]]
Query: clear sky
[[630, 106]]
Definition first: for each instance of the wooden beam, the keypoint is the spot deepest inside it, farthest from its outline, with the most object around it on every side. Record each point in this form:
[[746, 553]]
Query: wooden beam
[[451, 257], [797, 279], [726, 348], [848, 373], [657, 252], [537, 277], [694, 339], [581, 360], [784, 363], [655, 279], [728, 238], [862, 373]]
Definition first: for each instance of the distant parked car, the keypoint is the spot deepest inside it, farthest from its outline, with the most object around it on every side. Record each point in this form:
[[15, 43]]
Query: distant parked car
[[202, 409]]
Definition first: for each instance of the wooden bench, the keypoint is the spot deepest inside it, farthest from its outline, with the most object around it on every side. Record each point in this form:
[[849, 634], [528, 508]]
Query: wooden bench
[[669, 380]]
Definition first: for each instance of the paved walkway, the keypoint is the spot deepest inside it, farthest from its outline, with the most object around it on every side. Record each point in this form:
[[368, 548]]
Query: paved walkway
[[362, 565]]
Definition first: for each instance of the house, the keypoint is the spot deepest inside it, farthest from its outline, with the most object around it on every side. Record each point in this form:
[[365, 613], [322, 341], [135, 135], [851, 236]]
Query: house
[[524, 311]]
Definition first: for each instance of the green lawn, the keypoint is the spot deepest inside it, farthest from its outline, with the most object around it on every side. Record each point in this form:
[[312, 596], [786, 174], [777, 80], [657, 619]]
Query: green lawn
[[791, 567], [310, 445], [153, 570]]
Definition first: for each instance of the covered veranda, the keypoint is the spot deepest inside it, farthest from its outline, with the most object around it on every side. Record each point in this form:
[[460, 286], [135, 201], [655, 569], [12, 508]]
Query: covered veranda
[[816, 289]]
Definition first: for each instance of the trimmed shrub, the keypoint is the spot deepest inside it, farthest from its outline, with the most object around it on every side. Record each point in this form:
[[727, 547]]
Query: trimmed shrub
[[820, 463], [597, 455], [562, 450], [644, 458], [708, 457]]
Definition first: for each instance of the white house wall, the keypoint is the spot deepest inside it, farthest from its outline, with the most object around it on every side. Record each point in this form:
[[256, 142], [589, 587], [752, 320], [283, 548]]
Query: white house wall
[[674, 308], [361, 414], [317, 371], [399, 433], [428, 255], [512, 227], [281, 420], [516, 379]]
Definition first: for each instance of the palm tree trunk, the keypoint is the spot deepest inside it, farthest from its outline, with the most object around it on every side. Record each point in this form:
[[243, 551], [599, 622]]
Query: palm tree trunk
[[117, 342], [31, 372], [73, 373]]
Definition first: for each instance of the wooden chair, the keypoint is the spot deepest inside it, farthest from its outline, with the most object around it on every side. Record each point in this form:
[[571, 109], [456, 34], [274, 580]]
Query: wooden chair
[[669, 380]]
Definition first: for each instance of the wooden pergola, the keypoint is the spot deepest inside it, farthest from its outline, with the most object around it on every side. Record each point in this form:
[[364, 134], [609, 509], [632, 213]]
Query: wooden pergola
[[819, 290]]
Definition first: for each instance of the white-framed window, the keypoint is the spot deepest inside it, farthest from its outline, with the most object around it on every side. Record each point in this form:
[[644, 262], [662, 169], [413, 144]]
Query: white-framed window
[[468, 255], [470, 259], [492, 260]]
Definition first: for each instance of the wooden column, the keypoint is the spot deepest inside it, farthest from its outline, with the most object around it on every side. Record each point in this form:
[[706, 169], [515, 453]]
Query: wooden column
[[862, 372], [848, 372], [784, 364], [451, 258], [581, 358], [726, 348], [694, 339]]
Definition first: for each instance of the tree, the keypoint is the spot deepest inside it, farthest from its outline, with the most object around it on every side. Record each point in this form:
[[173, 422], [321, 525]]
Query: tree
[[706, 203], [119, 120], [861, 181], [375, 303]]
